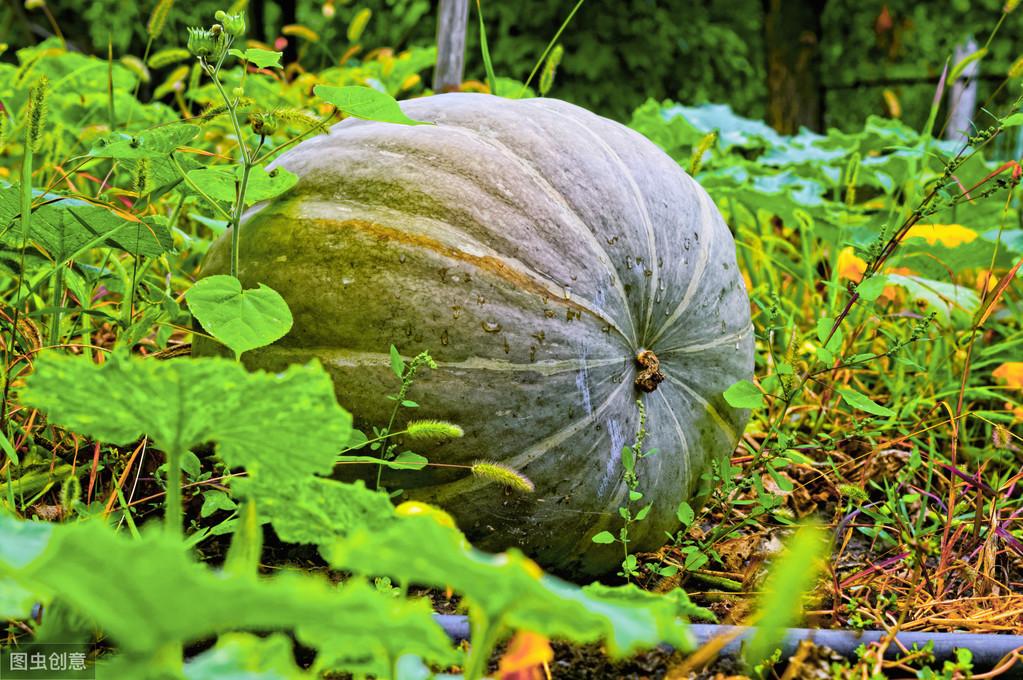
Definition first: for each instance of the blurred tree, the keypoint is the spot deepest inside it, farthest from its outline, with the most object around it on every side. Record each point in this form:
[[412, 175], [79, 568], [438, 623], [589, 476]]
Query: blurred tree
[[792, 36]]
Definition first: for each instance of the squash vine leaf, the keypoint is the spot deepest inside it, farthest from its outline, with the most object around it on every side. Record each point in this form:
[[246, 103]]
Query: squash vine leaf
[[509, 589], [285, 425], [110, 579]]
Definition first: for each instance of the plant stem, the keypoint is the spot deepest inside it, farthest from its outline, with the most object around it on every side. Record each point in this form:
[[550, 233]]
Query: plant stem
[[246, 162], [57, 301], [483, 639], [26, 221], [382, 437], [237, 217], [195, 187], [387, 432], [550, 46], [173, 511]]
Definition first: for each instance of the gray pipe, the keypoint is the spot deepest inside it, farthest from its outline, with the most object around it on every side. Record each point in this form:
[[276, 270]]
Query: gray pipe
[[987, 649]]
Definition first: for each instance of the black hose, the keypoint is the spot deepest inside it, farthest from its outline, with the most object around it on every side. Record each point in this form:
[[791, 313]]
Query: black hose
[[987, 649]]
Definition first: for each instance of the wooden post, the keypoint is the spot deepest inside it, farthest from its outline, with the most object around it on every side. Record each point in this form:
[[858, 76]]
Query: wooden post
[[452, 19], [962, 102]]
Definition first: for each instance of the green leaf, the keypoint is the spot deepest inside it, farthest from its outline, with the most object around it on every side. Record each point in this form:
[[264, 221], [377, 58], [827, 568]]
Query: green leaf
[[148, 594], [66, 228], [366, 103], [15, 602], [156, 143], [221, 183], [405, 461], [8, 449], [643, 512], [958, 69], [685, 513], [24, 542], [603, 537], [628, 459], [243, 655], [240, 319], [315, 510], [507, 588], [259, 58], [1014, 120], [744, 394], [284, 425], [397, 364], [792, 575], [864, 403], [871, 289], [408, 460], [783, 482], [485, 50], [827, 353], [212, 501], [824, 326], [944, 298], [630, 594]]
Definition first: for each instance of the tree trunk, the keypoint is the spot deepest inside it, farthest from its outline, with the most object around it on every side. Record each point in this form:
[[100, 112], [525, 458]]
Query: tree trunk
[[792, 32], [452, 19], [288, 17]]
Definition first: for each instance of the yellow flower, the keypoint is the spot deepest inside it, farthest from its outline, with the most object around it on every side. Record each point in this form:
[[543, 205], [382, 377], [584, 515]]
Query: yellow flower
[[948, 235], [850, 266], [1012, 373], [526, 656], [986, 279]]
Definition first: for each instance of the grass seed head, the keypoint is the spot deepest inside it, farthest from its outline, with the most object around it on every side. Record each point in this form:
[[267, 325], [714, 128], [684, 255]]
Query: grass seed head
[[503, 475], [433, 429]]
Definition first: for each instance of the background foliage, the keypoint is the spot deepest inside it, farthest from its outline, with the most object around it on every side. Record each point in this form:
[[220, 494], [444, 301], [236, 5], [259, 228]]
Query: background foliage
[[618, 54]]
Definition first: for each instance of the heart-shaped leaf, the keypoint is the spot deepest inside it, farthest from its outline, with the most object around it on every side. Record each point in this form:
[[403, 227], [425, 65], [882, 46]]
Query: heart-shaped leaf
[[260, 58], [365, 102], [744, 394], [240, 319]]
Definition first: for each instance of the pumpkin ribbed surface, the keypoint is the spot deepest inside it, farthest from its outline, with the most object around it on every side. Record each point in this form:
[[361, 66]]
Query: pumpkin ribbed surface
[[535, 249]]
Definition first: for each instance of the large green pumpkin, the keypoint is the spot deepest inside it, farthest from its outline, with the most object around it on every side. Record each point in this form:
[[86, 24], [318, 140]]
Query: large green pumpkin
[[536, 250]]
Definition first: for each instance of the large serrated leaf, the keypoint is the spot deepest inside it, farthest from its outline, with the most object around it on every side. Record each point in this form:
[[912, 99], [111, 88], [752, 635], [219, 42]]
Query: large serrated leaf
[[510, 586], [67, 227], [315, 510], [285, 425], [148, 594]]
